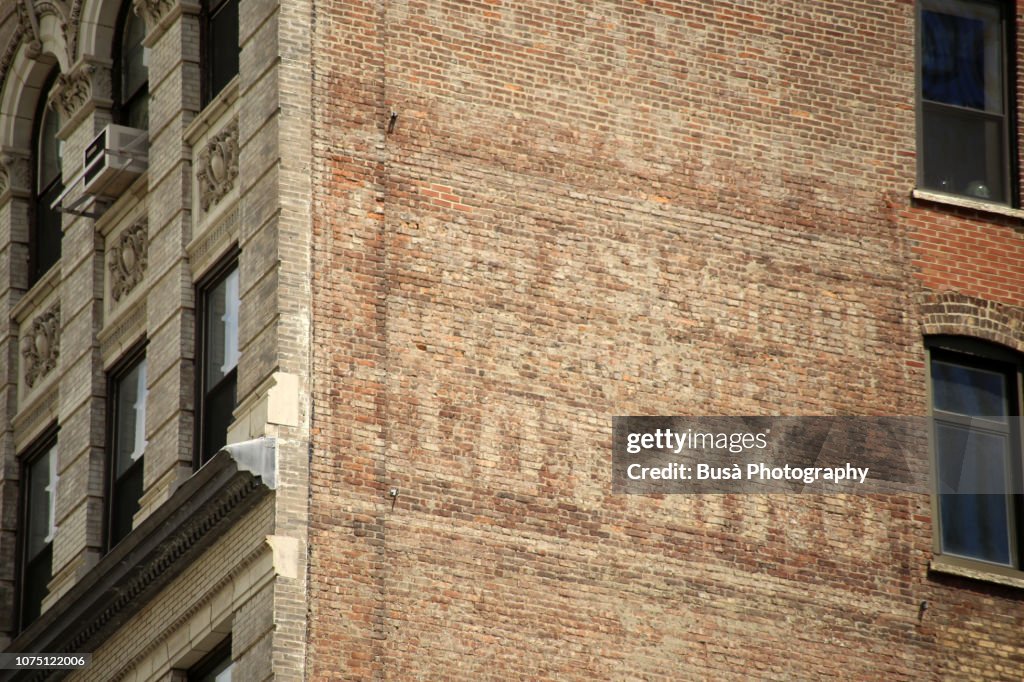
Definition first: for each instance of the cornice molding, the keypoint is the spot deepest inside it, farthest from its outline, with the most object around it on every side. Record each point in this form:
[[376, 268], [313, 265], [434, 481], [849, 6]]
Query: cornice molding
[[124, 581]]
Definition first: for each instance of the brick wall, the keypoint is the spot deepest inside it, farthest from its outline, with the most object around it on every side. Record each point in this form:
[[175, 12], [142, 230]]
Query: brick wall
[[597, 208]]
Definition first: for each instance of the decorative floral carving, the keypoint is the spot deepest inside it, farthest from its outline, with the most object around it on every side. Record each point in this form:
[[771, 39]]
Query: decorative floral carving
[[28, 22], [128, 259], [15, 172], [152, 11], [217, 166], [13, 43], [40, 346], [72, 91], [73, 23]]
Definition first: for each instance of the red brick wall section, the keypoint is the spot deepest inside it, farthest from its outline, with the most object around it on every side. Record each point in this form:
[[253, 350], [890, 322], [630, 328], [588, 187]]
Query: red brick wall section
[[597, 208], [970, 254]]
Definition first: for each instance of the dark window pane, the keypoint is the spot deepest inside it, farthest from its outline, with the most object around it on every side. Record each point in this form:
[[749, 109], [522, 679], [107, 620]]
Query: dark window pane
[[975, 526], [134, 70], [222, 46], [952, 61], [219, 359], [40, 480], [973, 458], [38, 573], [221, 673], [964, 153], [45, 239], [217, 415], [969, 391], [47, 232], [217, 667], [128, 447], [965, 148], [133, 93], [970, 460], [48, 150], [136, 110], [124, 504]]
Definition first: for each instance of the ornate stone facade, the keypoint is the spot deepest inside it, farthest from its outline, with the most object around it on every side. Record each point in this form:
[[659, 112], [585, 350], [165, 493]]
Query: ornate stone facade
[[15, 172], [40, 347], [152, 11], [127, 259], [28, 23], [217, 166], [79, 87]]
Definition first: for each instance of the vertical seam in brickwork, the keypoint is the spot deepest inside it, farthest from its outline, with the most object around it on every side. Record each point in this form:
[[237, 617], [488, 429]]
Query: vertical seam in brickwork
[[380, 609]]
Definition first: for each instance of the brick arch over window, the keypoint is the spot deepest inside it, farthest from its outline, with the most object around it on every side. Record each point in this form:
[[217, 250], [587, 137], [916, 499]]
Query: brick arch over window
[[961, 315]]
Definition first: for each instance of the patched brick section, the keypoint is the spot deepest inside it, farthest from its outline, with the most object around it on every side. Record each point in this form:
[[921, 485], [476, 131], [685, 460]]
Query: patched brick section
[[590, 209]]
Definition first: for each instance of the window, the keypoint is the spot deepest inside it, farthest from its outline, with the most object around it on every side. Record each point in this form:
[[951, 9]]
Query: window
[[37, 527], [218, 353], [131, 71], [216, 667], [46, 233], [964, 100], [220, 46], [127, 440], [975, 397]]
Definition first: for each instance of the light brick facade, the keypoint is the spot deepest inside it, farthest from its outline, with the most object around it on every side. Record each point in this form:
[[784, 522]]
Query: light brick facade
[[246, 581]]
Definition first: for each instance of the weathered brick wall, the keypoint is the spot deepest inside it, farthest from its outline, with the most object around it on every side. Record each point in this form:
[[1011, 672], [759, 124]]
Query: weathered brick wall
[[597, 208]]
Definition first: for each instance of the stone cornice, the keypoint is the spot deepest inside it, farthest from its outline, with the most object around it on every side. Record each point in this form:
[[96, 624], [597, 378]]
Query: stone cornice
[[152, 555]]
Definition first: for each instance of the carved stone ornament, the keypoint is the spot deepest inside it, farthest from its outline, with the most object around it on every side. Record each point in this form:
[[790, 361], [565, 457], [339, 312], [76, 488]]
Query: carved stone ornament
[[13, 43], [152, 11], [28, 21], [217, 166], [15, 172], [31, 13], [74, 90], [40, 346], [127, 260], [71, 31]]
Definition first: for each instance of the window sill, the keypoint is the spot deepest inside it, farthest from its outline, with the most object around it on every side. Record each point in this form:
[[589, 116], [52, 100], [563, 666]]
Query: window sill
[[976, 570], [35, 296], [964, 202], [212, 112]]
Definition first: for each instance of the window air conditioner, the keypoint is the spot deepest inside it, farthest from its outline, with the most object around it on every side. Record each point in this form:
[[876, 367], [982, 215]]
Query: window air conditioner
[[114, 159]]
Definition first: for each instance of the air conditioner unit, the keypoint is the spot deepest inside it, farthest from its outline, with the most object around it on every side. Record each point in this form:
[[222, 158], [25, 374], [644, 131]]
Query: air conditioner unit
[[114, 159]]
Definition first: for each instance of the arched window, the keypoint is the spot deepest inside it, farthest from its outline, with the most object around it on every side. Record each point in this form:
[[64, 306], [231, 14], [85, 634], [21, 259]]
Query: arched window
[[131, 71], [46, 232]]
